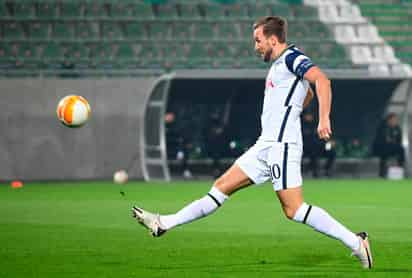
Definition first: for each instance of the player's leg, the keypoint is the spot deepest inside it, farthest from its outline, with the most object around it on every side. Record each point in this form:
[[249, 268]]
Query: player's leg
[[317, 218], [287, 181], [231, 181]]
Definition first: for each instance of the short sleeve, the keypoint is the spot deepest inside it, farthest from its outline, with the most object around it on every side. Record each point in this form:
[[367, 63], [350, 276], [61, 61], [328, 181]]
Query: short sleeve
[[298, 63]]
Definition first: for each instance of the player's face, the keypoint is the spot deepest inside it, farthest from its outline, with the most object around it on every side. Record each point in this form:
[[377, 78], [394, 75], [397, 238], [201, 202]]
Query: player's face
[[262, 44]]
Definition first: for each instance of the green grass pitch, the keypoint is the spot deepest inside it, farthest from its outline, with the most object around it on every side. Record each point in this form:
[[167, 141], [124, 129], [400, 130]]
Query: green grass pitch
[[86, 230]]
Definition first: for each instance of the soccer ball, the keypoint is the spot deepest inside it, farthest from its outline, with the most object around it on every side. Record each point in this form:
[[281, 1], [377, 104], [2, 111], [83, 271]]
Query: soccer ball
[[73, 111], [120, 177]]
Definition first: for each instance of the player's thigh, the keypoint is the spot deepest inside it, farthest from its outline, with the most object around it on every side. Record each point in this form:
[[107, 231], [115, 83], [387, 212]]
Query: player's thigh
[[284, 160], [232, 180]]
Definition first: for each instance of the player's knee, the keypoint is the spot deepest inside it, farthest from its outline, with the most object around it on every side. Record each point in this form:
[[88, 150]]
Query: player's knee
[[289, 212]]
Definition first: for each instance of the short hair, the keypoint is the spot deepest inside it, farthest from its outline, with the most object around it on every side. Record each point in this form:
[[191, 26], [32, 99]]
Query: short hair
[[273, 25]]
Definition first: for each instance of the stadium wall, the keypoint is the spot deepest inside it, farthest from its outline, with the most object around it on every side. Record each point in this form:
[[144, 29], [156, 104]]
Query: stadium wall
[[35, 146]]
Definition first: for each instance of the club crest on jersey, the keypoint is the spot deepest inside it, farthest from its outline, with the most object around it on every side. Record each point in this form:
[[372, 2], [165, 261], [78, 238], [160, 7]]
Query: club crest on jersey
[[269, 84]]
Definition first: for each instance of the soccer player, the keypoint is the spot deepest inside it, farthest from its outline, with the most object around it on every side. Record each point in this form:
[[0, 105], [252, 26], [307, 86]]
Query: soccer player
[[277, 153]]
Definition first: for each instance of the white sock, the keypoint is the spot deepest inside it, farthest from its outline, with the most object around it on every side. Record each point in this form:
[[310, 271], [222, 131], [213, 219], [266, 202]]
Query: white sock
[[195, 210], [322, 222]]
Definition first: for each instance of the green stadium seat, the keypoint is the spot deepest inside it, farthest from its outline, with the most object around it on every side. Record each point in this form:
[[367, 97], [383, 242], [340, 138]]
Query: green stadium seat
[[258, 10], [135, 30], [204, 30], [214, 11], [13, 30], [78, 52], [280, 10], [182, 30], [122, 10], [63, 30], [87, 30], [160, 30], [197, 50], [124, 51], [189, 11], [221, 51], [228, 31], [246, 29], [71, 9], [305, 12], [3, 10], [143, 11], [51, 51], [46, 10], [39, 30], [95, 9], [244, 50], [167, 11], [24, 10], [237, 11], [111, 30]]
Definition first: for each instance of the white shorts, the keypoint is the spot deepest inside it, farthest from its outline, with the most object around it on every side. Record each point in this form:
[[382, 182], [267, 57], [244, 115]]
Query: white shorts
[[279, 161]]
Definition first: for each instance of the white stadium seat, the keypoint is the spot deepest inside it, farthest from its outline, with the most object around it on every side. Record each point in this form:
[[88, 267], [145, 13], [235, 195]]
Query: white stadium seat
[[386, 53], [345, 34], [351, 13], [379, 70], [368, 34]]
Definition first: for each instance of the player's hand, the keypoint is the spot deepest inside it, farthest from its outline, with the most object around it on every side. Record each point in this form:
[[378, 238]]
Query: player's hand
[[324, 130]]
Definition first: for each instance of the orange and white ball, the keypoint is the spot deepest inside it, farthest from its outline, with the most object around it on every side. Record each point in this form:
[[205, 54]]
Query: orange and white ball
[[73, 111]]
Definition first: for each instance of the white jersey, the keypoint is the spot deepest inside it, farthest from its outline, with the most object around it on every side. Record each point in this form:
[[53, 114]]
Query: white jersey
[[285, 93]]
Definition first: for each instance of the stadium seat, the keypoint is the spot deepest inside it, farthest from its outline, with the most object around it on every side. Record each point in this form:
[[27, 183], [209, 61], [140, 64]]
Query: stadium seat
[[71, 10], [386, 53], [111, 31], [345, 34], [159, 30], [63, 30], [167, 11], [23, 10], [214, 11], [189, 11], [143, 11], [120, 10], [197, 50], [51, 51], [305, 12], [87, 30], [95, 10], [46, 10], [228, 31], [135, 30], [258, 10], [39, 30], [124, 51], [13, 30], [3, 10], [237, 11], [204, 30], [368, 34], [182, 30], [280, 10]]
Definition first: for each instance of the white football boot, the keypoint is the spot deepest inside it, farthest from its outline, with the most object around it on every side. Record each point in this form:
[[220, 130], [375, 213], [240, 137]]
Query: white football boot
[[149, 220], [364, 253]]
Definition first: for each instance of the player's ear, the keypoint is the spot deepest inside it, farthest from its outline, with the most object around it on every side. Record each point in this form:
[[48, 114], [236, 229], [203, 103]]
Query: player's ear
[[273, 40]]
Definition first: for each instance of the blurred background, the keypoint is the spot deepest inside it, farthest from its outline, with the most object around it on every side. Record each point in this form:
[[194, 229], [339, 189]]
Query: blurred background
[[176, 89]]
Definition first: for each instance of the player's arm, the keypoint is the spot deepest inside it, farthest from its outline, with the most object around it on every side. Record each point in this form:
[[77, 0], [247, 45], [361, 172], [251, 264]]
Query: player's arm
[[308, 98], [324, 94]]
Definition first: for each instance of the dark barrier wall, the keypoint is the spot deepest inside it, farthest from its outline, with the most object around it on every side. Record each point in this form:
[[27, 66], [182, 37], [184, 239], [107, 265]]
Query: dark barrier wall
[[35, 146], [358, 107]]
